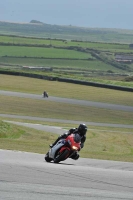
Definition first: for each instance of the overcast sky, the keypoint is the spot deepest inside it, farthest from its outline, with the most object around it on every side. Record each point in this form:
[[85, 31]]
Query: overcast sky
[[85, 13]]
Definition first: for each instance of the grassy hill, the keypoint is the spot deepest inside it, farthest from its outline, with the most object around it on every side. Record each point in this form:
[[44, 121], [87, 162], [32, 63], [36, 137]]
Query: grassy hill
[[36, 29]]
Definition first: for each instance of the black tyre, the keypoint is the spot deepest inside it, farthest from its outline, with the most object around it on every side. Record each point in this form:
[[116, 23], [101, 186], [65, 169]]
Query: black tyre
[[61, 156], [47, 158]]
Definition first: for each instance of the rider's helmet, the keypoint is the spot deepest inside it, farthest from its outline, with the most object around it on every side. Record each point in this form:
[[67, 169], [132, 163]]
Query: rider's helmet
[[82, 129]]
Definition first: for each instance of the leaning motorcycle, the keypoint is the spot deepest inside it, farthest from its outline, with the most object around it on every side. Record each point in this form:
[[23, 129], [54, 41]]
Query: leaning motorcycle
[[45, 94], [64, 149]]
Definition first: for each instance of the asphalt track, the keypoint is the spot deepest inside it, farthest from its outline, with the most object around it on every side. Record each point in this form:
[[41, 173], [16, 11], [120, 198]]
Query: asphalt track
[[69, 101], [26, 176]]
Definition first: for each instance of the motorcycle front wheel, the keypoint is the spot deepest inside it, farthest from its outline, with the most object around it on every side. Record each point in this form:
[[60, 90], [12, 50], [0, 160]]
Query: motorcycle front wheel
[[61, 156], [47, 158]]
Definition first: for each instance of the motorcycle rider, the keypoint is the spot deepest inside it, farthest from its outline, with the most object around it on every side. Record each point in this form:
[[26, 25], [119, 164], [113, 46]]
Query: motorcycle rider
[[81, 130], [45, 94]]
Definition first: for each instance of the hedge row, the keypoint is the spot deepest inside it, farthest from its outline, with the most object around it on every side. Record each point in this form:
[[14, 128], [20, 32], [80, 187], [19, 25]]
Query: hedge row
[[50, 78]]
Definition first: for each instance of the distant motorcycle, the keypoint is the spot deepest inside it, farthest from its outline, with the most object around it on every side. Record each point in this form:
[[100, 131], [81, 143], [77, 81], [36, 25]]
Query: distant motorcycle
[[64, 149], [45, 94]]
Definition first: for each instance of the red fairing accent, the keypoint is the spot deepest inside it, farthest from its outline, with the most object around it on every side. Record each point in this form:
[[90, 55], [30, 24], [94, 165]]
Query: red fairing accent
[[64, 148], [73, 143]]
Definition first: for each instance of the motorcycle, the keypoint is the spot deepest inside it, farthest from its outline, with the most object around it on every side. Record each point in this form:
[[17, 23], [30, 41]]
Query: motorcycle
[[64, 149], [45, 94]]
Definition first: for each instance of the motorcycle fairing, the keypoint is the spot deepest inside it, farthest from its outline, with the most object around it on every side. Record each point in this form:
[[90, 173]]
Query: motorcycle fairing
[[53, 150]]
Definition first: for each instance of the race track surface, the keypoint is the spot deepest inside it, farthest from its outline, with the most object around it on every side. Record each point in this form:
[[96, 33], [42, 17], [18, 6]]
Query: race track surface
[[69, 101], [26, 176]]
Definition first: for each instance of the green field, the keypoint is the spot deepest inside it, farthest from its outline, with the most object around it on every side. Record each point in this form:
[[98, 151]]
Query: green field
[[41, 52], [90, 61], [14, 40], [60, 63]]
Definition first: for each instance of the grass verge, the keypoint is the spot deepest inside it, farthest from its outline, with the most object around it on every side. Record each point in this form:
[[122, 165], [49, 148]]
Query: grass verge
[[55, 110]]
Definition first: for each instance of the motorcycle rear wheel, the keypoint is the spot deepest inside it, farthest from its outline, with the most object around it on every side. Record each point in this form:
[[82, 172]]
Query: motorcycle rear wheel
[[62, 156]]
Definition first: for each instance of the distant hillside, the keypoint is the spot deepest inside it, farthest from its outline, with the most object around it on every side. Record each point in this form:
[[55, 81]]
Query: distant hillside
[[36, 22], [39, 29]]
